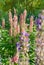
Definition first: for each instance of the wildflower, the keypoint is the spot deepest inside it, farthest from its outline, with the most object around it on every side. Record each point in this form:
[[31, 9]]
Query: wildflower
[[15, 24], [15, 18], [10, 31], [19, 48], [24, 14], [26, 34], [38, 21], [18, 29], [28, 45], [23, 33], [31, 24], [42, 16], [26, 40], [21, 17], [21, 38], [10, 17], [15, 59], [11, 23], [17, 44], [3, 23], [14, 11]]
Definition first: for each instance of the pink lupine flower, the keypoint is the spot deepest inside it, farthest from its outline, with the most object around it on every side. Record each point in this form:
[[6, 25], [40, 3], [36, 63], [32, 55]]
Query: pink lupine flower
[[42, 44], [15, 20], [21, 16], [28, 45], [22, 25], [24, 14], [3, 23], [11, 23], [10, 17], [14, 11], [21, 19], [10, 31], [26, 40], [23, 31], [41, 15], [15, 59], [15, 24], [31, 24], [18, 29]]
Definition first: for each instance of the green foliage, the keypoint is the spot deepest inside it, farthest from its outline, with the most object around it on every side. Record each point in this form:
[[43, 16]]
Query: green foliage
[[32, 54], [7, 45], [30, 5]]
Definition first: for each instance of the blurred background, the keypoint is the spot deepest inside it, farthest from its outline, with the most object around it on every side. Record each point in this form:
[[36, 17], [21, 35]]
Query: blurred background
[[33, 6]]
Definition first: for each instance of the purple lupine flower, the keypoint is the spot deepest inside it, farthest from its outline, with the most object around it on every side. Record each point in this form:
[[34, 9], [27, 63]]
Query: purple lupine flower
[[19, 49], [39, 41], [38, 21], [26, 34], [23, 33], [17, 44], [42, 16], [21, 38]]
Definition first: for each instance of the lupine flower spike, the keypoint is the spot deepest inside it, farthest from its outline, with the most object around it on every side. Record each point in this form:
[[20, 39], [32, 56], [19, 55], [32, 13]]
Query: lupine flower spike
[[3, 23], [11, 23], [24, 17], [31, 24], [14, 11], [24, 14], [15, 24], [15, 58]]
